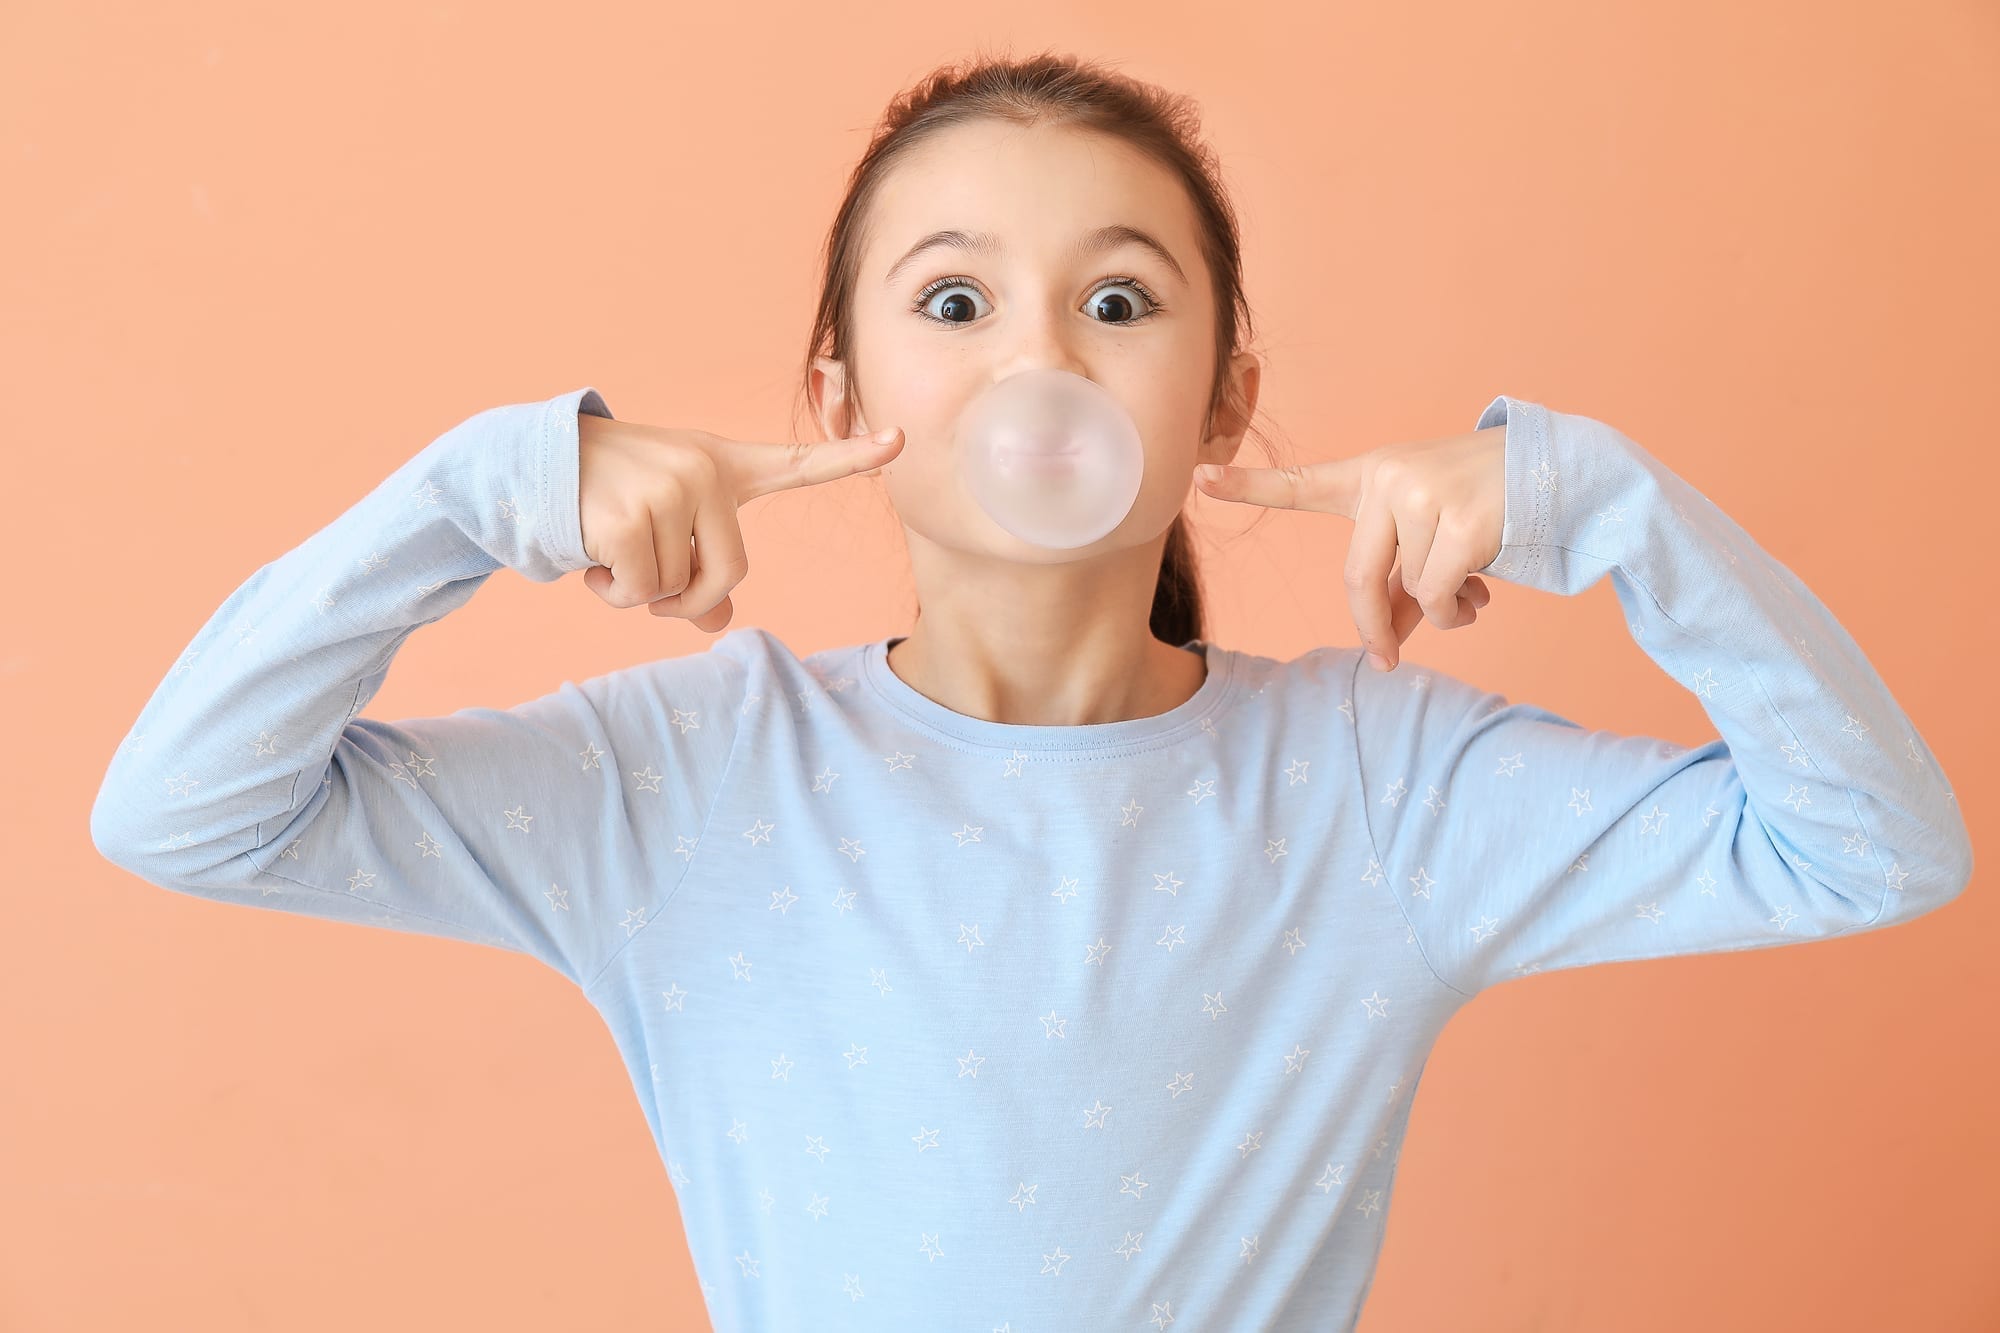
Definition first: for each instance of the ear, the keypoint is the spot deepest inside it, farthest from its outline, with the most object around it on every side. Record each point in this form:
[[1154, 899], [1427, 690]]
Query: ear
[[1231, 422], [832, 405]]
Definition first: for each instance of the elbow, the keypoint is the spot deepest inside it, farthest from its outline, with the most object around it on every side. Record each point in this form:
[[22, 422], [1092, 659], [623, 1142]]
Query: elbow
[[107, 830], [114, 834], [1963, 864]]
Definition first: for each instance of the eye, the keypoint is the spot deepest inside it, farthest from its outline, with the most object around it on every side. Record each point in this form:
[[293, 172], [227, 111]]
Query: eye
[[1098, 300]]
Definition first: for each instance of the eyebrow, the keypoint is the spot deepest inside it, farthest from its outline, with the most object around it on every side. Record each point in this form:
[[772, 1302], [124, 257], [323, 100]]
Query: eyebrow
[[1091, 242]]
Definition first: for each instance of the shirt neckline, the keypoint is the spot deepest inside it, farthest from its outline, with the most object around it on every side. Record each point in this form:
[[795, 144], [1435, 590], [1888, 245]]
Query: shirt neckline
[[1083, 738]]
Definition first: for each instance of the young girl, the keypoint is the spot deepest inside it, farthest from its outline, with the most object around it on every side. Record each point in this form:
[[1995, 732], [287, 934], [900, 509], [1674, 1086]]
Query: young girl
[[1047, 966]]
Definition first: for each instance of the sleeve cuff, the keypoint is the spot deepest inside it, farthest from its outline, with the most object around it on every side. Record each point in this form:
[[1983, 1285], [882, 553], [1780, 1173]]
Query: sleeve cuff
[[562, 519], [1524, 530]]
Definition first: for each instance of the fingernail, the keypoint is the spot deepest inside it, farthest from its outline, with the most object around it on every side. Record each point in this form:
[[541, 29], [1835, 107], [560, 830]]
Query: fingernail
[[1209, 472], [1377, 661], [884, 436]]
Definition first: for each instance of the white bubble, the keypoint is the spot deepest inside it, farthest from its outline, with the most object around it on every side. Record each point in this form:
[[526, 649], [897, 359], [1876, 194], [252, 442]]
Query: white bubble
[[1053, 457]]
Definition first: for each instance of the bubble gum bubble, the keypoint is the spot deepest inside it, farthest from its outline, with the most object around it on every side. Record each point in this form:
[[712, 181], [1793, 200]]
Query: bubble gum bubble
[[1051, 456]]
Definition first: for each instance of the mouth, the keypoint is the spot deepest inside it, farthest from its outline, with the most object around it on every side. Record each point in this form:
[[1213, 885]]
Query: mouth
[[1045, 446]]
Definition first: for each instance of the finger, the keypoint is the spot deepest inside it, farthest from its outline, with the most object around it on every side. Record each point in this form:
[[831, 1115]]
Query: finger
[[1441, 587], [632, 575], [1408, 612], [716, 617], [1416, 534], [673, 556], [1331, 487], [758, 468], [1371, 554], [1405, 614], [720, 562]]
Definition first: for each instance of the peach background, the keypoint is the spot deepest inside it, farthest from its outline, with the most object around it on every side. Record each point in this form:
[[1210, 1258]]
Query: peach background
[[253, 261]]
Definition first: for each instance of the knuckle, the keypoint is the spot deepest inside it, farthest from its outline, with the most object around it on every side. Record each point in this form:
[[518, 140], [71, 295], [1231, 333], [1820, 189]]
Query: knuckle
[[703, 467], [671, 490]]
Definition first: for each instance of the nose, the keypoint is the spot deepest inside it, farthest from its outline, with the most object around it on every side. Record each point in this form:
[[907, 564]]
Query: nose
[[1044, 343]]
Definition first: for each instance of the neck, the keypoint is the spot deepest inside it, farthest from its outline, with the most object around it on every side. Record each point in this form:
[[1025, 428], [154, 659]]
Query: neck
[[1057, 644]]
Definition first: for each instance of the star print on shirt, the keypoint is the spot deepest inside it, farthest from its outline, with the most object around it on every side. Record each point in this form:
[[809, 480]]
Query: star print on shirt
[[708, 753]]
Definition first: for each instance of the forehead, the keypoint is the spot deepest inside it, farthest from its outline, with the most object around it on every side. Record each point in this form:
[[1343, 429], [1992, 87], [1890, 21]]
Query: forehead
[[1035, 189]]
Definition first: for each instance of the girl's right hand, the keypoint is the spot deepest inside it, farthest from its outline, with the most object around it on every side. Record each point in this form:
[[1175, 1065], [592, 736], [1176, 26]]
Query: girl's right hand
[[658, 507]]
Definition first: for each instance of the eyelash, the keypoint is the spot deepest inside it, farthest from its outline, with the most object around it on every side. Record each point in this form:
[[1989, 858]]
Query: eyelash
[[1155, 304]]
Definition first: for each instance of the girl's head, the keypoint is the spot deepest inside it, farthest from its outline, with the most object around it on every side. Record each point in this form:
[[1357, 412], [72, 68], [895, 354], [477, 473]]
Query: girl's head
[[1038, 213]]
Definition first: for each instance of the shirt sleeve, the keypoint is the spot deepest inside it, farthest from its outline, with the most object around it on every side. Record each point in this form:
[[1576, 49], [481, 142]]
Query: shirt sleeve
[[1516, 840], [556, 828]]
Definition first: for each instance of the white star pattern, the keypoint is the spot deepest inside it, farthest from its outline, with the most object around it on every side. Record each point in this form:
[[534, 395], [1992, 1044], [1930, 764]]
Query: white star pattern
[[1447, 841]]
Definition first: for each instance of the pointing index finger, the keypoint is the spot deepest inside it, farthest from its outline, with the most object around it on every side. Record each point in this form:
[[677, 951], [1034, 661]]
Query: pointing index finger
[[759, 467], [1327, 488]]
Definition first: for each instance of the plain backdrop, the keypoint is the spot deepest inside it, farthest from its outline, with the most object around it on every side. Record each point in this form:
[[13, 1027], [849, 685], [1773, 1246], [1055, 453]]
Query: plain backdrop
[[254, 257]]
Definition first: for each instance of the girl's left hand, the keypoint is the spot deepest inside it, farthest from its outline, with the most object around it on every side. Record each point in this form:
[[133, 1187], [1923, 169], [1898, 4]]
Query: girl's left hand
[[1436, 508]]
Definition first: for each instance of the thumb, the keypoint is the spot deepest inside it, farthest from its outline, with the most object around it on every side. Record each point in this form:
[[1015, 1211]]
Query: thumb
[[1331, 487], [763, 468]]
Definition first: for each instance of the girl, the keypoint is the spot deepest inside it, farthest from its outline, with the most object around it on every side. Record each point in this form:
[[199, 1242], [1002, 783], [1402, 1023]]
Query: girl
[[1047, 966]]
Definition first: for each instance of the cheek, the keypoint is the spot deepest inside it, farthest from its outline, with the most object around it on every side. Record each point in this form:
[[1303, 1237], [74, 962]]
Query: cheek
[[1163, 491], [1170, 428]]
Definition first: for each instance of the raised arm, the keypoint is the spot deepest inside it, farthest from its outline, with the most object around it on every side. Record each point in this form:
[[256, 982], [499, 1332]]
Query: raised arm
[[1517, 841], [555, 828]]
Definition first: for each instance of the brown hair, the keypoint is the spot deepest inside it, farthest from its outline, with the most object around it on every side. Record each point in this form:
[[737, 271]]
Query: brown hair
[[1058, 90]]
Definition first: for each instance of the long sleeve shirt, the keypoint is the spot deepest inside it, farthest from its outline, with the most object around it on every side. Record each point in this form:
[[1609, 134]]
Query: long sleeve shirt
[[942, 1022]]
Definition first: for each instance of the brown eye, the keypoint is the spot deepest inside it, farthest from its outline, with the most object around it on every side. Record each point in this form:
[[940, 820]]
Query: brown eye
[[1114, 301], [959, 307]]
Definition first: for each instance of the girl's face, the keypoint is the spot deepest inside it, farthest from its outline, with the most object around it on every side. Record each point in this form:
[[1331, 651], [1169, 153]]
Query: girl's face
[[935, 326]]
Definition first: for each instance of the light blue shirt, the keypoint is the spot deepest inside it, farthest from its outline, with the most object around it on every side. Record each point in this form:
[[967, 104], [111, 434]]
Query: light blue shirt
[[941, 1023]]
